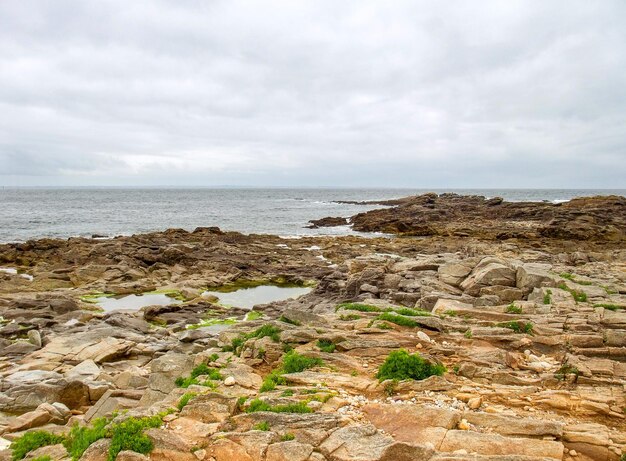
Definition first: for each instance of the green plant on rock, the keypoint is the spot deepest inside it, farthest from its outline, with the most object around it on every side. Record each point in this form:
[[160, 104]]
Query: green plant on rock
[[185, 399], [566, 369], [253, 315], [360, 307], [201, 370], [547, 298], [579, 296], [349, 317], [266, 330], [81, 437], [326, 345], [468, 334], [31, 441], [259, 405], [292, 363], [41, 458], [284, 319], [391, 387], [513, 309], [397, 319], [262, 426], [611, 307], [128, 435], [287, 437], [384, 326], [517, 326], [402, 365]]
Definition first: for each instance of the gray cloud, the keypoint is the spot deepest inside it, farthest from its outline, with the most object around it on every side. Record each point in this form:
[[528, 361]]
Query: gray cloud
[[355, 93]]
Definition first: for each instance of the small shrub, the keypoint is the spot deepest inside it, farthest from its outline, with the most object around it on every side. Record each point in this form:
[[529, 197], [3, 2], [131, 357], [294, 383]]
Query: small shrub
[[287, 393], [259, 405], [272, 380], [517, 326], [262, 426], [402, 365], [81, 437], [288, 436], [128, 435], [579, 296], [354, 373], [566, 369], [397, 319], [326, 345], [31, 441], [513, 309], [261, 332], [284, 319], [213, 358], [295, 363], [468, 334], [567, 275], [184, 400], [203, 369], [241, 401], [390, 387], [547, 298]]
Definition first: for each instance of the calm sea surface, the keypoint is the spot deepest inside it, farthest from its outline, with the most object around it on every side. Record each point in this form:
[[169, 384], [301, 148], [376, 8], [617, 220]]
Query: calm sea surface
[[27, 213]]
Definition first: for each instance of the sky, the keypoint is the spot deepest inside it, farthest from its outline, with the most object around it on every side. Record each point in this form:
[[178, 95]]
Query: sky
[[518, 94]]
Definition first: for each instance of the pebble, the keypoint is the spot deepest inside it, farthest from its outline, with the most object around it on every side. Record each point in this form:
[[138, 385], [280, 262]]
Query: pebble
[[464, 425], [230, 381]]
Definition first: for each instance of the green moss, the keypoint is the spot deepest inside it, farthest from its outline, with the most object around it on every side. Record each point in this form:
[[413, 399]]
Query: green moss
[[266, 330], [253, 315], [211, 322], [359, 307], [287, 393], [287, 437], [468, 334], [412, 312], [31, 441], [579, 296], [42, 458], [201, 370], [185, 399], [259, 405], [567, 275], [92, 298], [517, 326], [326, 345], [174, 294], [402, 365], [384, 326]]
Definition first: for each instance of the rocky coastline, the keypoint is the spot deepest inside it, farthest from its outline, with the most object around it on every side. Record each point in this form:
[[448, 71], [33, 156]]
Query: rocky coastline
[[476, 329]]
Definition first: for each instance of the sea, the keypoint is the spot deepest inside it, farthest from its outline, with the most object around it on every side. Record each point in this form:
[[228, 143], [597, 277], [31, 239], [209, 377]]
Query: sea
[[30, 213]]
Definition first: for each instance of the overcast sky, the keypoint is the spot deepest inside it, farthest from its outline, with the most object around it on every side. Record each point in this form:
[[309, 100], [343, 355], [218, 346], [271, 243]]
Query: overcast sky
[[313, 93]]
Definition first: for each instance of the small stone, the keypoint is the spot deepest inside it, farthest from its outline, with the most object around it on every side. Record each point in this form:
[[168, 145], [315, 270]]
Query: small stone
[[475, 403], [464, 425], [200, 454], [365, 365], [230, 381], [34, 337], [573, 453]]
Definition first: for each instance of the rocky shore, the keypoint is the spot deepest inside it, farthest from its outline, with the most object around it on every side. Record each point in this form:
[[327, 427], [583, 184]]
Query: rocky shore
[[484, 330]]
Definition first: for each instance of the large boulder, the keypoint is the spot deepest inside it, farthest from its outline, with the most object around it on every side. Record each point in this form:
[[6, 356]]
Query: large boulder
[[489, 272], [534, 275]]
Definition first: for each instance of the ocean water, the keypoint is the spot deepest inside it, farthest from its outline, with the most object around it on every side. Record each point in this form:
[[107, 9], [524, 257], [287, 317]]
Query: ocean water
[[27, 213]]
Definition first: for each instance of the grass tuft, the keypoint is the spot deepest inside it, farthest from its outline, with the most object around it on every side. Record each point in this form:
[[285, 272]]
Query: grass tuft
[[260, 405], [31, 441], [401, 365]]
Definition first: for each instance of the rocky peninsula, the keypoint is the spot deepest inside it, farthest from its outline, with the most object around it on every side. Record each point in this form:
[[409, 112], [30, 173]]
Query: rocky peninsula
[[476, 329]]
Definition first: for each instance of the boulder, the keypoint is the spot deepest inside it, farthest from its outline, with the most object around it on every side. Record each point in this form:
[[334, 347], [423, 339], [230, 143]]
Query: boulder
[[355, 443], [454, 273], [490, 274]]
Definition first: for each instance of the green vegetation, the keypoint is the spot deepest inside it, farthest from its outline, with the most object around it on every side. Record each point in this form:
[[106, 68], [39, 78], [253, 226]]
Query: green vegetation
[[566, 369], [402, 365], [517, 326], [262, 426], [213, 374], [390, 387], [292, 363], [384, 326], [210, 322], [513, 309], [287, 393], [326, 345], [261, 332], [128, 435], [260, 405], [567, 275], [175, 294], [42, 458], [253, 315], [349, 317], [184, 400], [284, 319], [80, 437], [579, 296], [369, 308], [397, 319], [547, 298], [611, 307], [468, 334], [288, 436], [31, 441], [358, 307], [92, 298]]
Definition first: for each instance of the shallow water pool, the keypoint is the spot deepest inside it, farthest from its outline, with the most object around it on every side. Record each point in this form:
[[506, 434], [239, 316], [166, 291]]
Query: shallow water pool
[[247, 298], [133, 302]]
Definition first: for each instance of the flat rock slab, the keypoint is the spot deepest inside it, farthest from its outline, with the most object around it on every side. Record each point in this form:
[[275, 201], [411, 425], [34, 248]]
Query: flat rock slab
[[332, 380]]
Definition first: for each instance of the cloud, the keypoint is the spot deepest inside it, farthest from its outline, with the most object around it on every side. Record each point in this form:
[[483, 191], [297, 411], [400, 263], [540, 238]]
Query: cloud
[[358, 93]]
